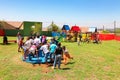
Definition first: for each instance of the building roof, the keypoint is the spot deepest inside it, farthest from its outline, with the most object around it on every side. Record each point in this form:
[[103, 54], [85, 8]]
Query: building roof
[[5, 25], [84, 29], [65, 27], [9, 24], [45, 29], [15, 23], [75, 28]]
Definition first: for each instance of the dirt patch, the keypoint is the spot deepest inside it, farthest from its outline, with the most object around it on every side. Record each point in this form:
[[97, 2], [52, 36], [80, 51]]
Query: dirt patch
[[17, 61], [99, 59], [117, 60], [1, 79], [92, 77], [45, 68], [107, 68], [59, 77]]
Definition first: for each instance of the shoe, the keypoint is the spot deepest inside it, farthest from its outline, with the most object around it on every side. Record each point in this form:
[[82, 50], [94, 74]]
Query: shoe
[[19, 51], [71, 58], [53, 67], [59, 68], [65, 63], [24, 59]]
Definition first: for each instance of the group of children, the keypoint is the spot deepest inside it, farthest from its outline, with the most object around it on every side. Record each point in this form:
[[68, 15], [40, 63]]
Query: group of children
[[53, 48]]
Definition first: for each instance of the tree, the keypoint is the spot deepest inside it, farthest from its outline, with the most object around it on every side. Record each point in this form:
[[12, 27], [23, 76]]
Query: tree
[[53, 27], [105, 31], [117, 31]]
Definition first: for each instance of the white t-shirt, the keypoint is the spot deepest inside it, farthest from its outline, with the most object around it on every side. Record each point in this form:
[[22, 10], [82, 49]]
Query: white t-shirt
[[27, 44], [32, 49], [37, 41], [44, 48], [65, 51], [32, 41]]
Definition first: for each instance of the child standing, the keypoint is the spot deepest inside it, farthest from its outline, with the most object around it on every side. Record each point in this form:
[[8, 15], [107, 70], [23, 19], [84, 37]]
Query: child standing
[[58, 55], [20, 44]]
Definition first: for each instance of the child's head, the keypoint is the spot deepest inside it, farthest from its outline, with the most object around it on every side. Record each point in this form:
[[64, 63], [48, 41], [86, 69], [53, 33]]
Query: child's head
[[22, 38], [59, 44], [64, 47]]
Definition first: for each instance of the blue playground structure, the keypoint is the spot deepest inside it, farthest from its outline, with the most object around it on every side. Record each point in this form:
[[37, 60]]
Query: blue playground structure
[[65, 27], [59, 36], [62, 35], [38, 59]]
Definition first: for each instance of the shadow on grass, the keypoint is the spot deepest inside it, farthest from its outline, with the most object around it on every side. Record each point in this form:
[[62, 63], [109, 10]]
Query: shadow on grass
[[70, 63], [8, 44], [65, 69]]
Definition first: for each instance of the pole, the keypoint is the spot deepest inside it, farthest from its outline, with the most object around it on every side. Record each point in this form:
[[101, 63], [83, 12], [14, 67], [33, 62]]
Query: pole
[[114, 27], [103, 28]]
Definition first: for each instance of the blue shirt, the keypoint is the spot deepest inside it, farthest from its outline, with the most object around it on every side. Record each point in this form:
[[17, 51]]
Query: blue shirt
[[53, 48]]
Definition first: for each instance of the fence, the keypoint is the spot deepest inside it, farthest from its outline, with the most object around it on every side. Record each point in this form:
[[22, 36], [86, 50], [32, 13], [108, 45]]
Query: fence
[[109, 37]]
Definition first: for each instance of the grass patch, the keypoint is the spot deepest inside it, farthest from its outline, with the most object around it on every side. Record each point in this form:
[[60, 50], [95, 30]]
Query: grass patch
[[91, 62]]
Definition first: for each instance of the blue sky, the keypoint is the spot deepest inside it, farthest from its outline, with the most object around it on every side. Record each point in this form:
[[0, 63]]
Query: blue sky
[[79, 12]]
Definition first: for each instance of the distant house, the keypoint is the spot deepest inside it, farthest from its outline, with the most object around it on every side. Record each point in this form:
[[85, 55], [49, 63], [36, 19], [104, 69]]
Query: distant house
[[16, 24], [28, 27], [8, 27], [12, 27], [45, 29], [92, 29], [84, 29]]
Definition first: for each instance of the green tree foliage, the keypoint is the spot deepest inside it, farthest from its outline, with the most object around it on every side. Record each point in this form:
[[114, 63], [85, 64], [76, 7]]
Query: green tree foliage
[[105, 31], [117, 30], [53, 27]]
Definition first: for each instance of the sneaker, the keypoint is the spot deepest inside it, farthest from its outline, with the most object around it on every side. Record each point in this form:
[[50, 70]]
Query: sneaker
[[59, 68], [53, 67], [71, 58]]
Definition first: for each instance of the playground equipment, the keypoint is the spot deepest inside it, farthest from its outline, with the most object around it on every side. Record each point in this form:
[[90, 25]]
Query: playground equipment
[[86, 37], [96, 38], [37, 59], [59, 36], [74, 32]]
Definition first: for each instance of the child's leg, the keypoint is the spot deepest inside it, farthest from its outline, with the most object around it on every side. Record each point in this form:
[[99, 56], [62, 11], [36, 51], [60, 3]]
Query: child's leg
[[26, 53], [59, 62], [65, 59], [18, 48], [68, 55]]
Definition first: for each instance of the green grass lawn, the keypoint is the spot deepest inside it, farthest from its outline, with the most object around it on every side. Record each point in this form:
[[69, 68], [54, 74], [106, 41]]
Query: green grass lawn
[[91, 62]]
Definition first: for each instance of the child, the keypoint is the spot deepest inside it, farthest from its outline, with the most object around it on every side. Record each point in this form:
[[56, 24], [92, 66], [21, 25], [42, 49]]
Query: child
[[5, 40], [66, 55], [33, 49], [58, 56], [20, 44]]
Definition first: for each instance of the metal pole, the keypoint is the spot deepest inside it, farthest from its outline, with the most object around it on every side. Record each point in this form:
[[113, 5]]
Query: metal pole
[[114, 27], [103, 28]]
